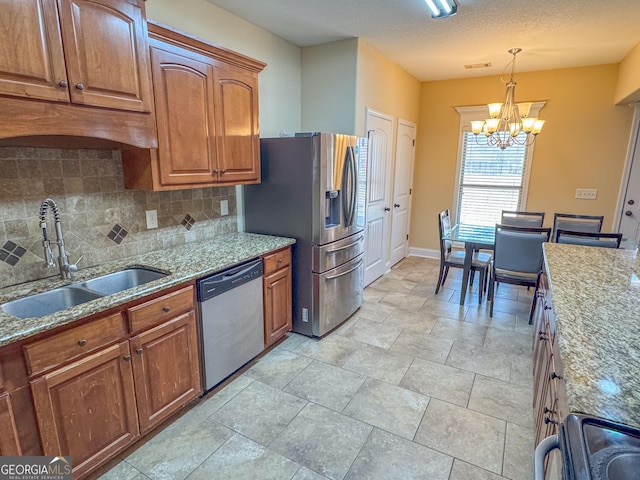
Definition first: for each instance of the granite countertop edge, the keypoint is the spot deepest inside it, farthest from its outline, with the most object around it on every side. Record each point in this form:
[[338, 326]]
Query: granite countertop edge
[[596, 307], [183, 264]]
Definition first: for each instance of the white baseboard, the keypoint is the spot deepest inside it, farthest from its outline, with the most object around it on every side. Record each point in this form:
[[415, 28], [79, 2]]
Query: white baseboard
[[424, 252]]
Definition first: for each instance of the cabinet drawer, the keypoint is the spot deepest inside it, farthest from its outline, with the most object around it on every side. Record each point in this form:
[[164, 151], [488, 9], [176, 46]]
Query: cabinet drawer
[[59, 348], [277, 260], [160, 309]]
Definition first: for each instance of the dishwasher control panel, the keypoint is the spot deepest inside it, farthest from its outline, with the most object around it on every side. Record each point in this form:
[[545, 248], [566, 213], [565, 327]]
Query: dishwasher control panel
[[221, 282]]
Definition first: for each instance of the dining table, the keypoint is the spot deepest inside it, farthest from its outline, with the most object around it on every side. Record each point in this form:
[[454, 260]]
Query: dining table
[[474, 237]]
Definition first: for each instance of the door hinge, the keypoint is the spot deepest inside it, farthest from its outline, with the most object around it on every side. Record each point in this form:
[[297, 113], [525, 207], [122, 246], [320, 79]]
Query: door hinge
[[410, 190], [407, 237], [414, 142]]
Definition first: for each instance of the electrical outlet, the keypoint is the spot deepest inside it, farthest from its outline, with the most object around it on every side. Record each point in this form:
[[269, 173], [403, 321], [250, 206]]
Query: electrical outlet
[[224, 207], [152, 219], [586, 193]]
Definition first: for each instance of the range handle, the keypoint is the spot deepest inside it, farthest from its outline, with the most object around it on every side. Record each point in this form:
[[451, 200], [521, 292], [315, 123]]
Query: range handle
[[542, 450]]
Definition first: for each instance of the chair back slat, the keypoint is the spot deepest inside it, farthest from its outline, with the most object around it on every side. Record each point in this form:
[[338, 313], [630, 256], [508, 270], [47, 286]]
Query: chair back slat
[[519, 249], [589, 239], [444, 228], [518, 218], [576, 223]]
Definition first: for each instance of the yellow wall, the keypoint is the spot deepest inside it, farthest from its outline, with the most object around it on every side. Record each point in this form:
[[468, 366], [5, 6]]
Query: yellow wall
[[583, 144], [628, 89], [385, 87], [279, 82]]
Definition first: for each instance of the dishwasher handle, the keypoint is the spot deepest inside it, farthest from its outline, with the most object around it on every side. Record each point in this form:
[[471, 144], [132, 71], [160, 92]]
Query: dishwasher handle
[[219, 283]]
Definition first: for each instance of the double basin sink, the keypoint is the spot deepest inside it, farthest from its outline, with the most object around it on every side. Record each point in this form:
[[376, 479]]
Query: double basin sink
[[69, 296]]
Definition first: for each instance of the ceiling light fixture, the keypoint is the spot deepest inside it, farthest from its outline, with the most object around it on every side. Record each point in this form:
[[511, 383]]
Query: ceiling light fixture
[[508, 119], [442, 8]]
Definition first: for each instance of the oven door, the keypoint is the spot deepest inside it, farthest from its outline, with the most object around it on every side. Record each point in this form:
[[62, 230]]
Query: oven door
[[338, 293]]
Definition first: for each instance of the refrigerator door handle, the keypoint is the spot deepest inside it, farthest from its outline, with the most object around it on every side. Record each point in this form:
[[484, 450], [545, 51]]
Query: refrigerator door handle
[[335, 250], [331, 277], [354, 186], [349, 183], [346, 168]]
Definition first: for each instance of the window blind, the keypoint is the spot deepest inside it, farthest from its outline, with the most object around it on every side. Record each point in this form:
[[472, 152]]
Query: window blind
[[491, 180]]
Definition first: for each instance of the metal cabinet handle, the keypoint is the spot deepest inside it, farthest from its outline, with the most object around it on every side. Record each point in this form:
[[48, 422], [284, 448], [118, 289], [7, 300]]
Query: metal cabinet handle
[[139, 351], [82, 342], [166, 309], [63, 83], [80, 86], [127, 357]]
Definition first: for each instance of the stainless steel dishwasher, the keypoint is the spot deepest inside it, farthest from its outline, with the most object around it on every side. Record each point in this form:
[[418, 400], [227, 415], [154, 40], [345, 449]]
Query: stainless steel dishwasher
[[232, 322]]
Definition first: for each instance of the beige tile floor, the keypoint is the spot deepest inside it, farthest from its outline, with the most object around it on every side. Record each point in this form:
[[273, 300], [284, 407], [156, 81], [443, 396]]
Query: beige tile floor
[[413, 386]]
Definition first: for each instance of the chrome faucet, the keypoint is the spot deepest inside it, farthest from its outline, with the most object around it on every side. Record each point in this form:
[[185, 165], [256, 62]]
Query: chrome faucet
[[66, 268]]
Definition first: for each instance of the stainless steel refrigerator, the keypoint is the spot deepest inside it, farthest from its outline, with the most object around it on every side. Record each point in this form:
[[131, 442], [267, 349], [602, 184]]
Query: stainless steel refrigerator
[[313, 189]]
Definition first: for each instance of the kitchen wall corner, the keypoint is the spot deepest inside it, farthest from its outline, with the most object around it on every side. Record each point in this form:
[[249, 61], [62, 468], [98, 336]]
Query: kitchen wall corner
[[100, 219]]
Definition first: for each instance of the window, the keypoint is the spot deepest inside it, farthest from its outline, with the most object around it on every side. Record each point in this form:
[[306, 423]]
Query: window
[[489, 180]]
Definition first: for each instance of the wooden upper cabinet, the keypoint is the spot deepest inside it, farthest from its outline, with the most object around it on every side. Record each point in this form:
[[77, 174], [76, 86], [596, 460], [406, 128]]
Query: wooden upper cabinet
[[31, 58], [106, 53], [238, 134], [183, 86], [89, 52]]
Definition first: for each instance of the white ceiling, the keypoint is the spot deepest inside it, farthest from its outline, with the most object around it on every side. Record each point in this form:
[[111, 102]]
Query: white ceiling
[[552, 33]]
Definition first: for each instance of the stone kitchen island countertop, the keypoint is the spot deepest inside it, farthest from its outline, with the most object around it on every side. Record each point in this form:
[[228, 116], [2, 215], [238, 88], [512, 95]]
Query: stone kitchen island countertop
[[596, 304], [183, 263]]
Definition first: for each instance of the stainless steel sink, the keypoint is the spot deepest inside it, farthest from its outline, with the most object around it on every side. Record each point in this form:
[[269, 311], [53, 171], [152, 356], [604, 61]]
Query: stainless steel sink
[[69, 296], [49, 302], [122, 280]]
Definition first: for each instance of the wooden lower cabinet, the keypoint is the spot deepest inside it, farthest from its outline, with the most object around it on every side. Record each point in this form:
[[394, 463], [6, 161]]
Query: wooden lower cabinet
[[163, 369], [100, 403], [9, 441], [87, 409], [277, 296]]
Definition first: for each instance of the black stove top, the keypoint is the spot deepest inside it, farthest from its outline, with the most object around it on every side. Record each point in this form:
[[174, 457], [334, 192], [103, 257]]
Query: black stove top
[[597, 449]]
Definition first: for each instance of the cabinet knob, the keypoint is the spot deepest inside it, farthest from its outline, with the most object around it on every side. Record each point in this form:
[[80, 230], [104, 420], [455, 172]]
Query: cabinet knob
[[548, 420], [80, 86], [127, 357], [547, 307], [542, 336], [222, 172], [215, 171], [82, 342], [547, 410], [270, 287], [139, 352], [166, 309], [628, 213], [555, 375], [279, 260], [63, 83]]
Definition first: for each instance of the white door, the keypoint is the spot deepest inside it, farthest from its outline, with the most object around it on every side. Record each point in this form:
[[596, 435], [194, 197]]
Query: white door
[[629, 209], [380, 135], [401, 211]]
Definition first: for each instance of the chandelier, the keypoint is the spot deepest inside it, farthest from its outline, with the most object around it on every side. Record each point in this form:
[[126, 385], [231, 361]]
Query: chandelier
[[508, 119]]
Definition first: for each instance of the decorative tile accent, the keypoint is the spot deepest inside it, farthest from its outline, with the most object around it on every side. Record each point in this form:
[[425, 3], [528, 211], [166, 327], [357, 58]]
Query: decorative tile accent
[[188, 221], [117, 233], [11, 253]]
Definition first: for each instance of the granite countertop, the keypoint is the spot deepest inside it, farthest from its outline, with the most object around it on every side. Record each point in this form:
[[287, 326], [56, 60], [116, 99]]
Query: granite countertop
[[596, 304], [183, 263]]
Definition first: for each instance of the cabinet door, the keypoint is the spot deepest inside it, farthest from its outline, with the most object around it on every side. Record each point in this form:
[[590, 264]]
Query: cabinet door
[[87, 409], [107, 54], [31, 58], [238, 131], [9, 444], [183, 86], [277, 305], [166, 369]]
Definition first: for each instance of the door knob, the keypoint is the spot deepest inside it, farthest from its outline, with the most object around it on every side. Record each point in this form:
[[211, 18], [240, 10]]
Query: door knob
[[628, 213], [397, 205], [631, 202], [387, 209]]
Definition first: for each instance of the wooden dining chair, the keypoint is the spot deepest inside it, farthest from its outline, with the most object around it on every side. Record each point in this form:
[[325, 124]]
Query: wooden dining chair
[[518, 218], [576, 223], [455, 258], [590, 239], [517, 259]]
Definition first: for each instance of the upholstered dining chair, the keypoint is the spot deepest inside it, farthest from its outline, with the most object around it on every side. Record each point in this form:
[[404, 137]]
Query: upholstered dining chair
[[519, 218], [590, 239], [455, 258], [517, 259], [576, 223]]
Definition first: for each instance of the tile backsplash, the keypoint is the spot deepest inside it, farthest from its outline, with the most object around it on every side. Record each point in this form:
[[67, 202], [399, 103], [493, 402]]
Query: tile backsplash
[[100, 219]]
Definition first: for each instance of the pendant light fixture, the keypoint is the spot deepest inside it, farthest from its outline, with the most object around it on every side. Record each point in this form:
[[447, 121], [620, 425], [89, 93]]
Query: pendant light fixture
[[507, 120]]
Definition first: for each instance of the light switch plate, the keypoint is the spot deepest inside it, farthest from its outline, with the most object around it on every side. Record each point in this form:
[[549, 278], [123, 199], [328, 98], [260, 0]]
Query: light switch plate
[[152, 219], [224, 207], [586, 193]]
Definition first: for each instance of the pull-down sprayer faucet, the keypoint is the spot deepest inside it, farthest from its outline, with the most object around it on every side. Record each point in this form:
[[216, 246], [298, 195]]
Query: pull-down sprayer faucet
[[66, 268]]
